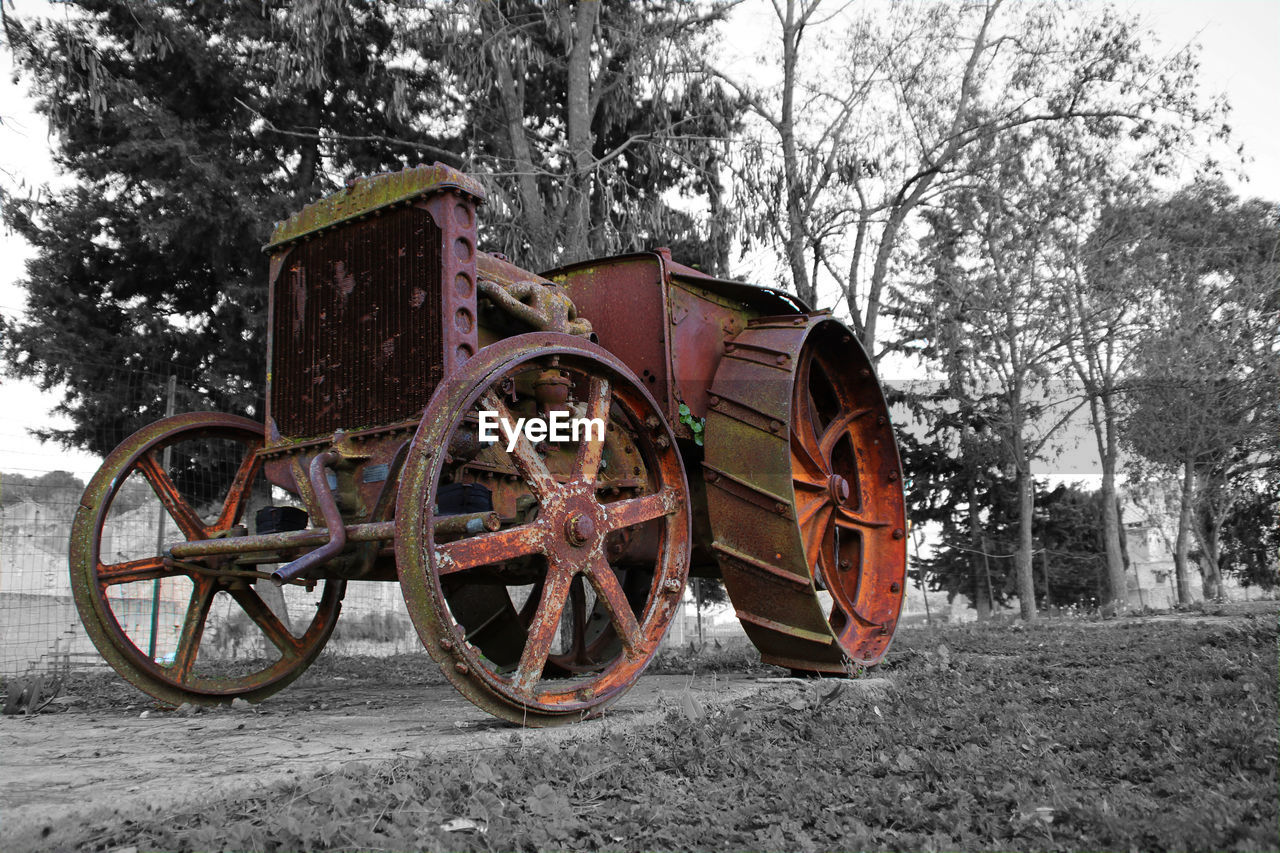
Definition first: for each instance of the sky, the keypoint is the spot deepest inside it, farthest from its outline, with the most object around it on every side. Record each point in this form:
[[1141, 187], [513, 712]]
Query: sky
[[1240, 58]]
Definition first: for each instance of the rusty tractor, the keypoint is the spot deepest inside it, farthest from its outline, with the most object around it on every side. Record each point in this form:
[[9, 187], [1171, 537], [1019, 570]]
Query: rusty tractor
[[744, 437]]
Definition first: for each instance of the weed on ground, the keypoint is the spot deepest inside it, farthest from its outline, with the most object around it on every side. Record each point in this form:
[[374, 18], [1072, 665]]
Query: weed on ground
[[1119, 735]]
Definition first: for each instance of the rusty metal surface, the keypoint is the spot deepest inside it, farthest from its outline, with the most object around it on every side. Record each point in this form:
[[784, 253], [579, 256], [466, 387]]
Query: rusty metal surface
[[371, 194], [356, 337], [567, 539], [337, 531], [626, 300], [805, 494], [92, 577]]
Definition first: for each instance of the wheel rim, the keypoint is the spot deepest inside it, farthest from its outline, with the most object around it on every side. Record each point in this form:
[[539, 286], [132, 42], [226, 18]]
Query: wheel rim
[[207, 449], [567, 546], [840, 509]]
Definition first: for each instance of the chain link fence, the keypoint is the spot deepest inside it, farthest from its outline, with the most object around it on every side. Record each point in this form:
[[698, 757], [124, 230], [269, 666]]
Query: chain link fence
[[41, 628]]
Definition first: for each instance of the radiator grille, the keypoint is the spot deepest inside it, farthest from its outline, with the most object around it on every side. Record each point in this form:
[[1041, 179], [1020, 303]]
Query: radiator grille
[[356, 332]]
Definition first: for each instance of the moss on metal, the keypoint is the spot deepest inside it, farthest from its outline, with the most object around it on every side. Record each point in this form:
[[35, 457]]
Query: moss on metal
[[369, 194]]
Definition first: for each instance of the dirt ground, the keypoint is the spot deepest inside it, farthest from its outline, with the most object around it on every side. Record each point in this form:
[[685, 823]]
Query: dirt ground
[[110, 750], [106, 749]]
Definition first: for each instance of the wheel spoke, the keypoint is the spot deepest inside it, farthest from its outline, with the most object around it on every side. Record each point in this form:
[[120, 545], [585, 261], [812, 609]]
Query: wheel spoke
[[527, 460], [542, 630], [150, 568], [837, 429], [819, 533], [625, 513], [182, 514], [486, 549], [267, 620], [805, 509], [803, 461], [587, 463], [828, 371], [804, 434], [184, 658], [851, 521], [241, 486], [609, 591]]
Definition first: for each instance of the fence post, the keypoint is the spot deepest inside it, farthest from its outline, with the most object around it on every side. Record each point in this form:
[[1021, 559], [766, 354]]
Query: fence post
[[155, 584]]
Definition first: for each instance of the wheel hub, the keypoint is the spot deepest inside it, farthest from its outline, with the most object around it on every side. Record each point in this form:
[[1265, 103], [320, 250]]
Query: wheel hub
[[579, 529], [839, 488]]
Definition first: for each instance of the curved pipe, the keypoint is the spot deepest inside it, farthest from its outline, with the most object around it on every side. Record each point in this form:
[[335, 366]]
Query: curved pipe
[[332, 520]]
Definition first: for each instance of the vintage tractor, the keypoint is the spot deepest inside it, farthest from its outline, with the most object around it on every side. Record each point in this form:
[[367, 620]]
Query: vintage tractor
[[742, 436]]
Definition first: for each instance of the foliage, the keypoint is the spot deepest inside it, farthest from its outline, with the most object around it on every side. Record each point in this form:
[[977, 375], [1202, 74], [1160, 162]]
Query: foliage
[[1068, 736], [187, 130], [1251, 537], [1206, 385], [583, 118]]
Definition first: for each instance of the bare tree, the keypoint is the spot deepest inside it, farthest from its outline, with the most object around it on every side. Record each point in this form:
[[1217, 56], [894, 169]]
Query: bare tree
[[862, 133]]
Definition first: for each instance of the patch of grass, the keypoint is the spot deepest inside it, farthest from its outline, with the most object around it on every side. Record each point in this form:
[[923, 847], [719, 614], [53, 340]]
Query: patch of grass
[[1117, 735]]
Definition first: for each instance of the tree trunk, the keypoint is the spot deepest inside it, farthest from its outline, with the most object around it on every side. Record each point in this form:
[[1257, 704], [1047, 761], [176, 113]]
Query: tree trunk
[[1116, 579], [1182, 545], [1022, 557], [578, 132], [981, 571], [796, 239], [1208, 536]]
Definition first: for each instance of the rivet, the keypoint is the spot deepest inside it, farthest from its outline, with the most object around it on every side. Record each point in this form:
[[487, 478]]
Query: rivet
[[782, 359], [864, 372], [845, 565], [446, 644], [730, 347], [881, 419], [895, 587], [462, 668], [672, 585], [712, 476], [893, 476], [663, 442], [780, 508], [713, 400], [897, 533]]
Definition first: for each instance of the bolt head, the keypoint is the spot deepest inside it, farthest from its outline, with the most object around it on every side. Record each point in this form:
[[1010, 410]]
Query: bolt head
[[839, 488], [672, 585], [579, 529]]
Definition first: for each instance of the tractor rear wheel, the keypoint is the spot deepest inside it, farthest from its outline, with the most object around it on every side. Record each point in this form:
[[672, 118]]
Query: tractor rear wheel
[[805, 494]]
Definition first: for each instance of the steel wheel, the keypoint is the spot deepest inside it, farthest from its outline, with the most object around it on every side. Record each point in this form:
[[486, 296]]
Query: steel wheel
[[849, 512], [552, 617], [134, 507], [805, 494]]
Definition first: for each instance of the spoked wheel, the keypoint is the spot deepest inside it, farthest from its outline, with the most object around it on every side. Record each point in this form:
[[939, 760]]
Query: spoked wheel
[[806, 500], [202, 630], [553, 616]]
